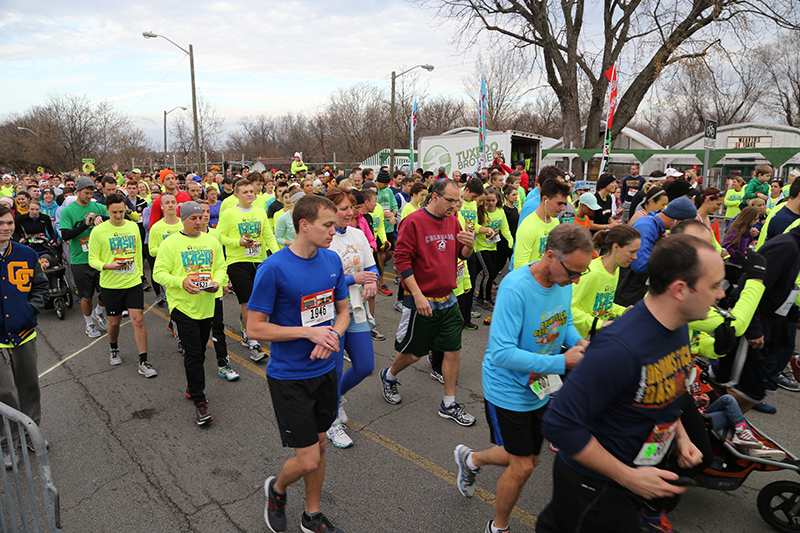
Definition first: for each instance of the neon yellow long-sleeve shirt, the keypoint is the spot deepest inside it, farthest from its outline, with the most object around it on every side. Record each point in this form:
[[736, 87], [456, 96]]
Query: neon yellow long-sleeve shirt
[[237, 223], [593, 298]]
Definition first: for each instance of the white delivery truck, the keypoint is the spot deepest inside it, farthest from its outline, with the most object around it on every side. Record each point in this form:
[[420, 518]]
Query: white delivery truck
[[457, 149]]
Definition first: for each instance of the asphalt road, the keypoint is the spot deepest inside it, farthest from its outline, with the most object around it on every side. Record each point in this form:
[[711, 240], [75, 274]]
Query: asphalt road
[[127, 454]]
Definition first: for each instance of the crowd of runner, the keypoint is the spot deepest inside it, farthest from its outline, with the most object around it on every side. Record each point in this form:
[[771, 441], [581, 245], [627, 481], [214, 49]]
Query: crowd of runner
[[605, 301]]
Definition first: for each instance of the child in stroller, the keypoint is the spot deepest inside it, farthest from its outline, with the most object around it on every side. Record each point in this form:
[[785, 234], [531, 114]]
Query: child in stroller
[[60, 292]]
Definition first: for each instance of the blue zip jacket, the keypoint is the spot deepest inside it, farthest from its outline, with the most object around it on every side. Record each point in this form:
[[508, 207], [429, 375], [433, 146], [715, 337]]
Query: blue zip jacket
[[24, 289]]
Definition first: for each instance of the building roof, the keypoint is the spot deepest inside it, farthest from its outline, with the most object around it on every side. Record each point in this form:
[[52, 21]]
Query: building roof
[[742, 125]]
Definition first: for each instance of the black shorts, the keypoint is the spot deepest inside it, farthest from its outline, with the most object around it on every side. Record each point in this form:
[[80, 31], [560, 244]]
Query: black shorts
[[517, 432], [304, 408], [242, 276], [87, 280], [391, 238], [118, 300]]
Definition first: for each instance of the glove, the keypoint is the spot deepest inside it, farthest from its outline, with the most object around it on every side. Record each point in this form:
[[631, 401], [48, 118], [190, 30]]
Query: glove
[[724, 337], [753, 264]]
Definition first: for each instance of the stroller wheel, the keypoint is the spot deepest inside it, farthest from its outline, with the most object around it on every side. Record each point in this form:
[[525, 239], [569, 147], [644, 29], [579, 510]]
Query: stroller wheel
[[779, 506], [69, 299], [61, 311]]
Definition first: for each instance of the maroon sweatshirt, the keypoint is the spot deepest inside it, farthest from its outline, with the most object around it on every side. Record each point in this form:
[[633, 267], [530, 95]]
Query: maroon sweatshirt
[[427, 247]]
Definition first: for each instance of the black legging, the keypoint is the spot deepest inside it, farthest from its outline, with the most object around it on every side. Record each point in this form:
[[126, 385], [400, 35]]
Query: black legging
[[486, 262]]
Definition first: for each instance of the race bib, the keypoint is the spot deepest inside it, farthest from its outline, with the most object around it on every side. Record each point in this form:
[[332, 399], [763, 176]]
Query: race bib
[[783, 310], [461, 269], [317, 308], [657, 445], [495, 239], [544, 384], [85, 244], [254, 250], [201, 279], [130, 265]]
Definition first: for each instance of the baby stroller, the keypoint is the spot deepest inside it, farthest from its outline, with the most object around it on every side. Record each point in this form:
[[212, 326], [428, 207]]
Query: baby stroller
[[61, 295], [779, 502]]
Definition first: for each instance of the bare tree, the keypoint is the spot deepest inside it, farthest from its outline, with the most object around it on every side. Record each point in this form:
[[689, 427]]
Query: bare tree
[[503, 72], [644, 36], [781, 64], [210, 129]]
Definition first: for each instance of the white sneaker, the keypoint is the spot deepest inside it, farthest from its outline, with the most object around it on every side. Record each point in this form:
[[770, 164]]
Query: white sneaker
[[114, 357], [341, 414], [337, 435], [256, 353], [745, 438], [100, 319], [147, 370], [92, 332], [764, 453]]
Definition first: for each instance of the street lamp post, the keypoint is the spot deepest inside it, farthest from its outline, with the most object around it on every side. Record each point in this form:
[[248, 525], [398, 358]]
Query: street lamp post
[[165, 130], [27, 129], [190, 53], [391, 129]]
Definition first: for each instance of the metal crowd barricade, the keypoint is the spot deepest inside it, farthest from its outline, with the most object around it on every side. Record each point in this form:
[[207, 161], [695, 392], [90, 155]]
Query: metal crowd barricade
[[20, 502]]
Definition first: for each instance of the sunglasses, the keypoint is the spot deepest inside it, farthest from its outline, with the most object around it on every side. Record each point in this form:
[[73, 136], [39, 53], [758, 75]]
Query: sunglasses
[[573, 274]]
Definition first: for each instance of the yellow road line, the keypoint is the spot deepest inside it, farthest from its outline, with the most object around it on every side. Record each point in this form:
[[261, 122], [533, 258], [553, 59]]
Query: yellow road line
[[485, 496]]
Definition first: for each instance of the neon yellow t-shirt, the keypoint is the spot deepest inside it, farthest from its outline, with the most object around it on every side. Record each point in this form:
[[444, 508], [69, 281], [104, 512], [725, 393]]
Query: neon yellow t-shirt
[[228, 202], [463, 281], [7, 192], [532, 239], [378, 227], [199, 258], [733, 199], [160, 231], [469, 210], [109, 243], [261, 201], [237, 223], [594, 297], [407, 210], [499, 223]]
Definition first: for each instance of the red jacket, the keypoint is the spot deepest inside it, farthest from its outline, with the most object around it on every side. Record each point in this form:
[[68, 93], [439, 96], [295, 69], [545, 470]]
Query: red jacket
[[427, 247], [155, 210]]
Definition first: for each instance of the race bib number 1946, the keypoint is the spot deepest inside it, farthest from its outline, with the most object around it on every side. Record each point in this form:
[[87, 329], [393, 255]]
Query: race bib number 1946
[[317, 308]]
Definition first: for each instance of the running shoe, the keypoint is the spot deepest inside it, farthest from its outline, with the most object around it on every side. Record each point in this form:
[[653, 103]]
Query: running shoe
[[768, 453], [275, 508], [474, 313], [320, 524], [487, 321], [436, 376], [553, 448], [655, 521], [490, 530], [383, 289], [745, 438], [161, 300], [227, 372], [469, 326], [390, 393], [188, 394], [256, 352], [181, 351], [488, 306], [398, 306], [456, 413], [377, 335], [147, 370], [466, 475], [787, 383], [146, 287], [114, 358], [763, 407], [428, 359], [92, 332], [171, 329], [245, 340], [203, 415], [8, 462], [341, 414], [337, 436], [794, 364], [100, 319]]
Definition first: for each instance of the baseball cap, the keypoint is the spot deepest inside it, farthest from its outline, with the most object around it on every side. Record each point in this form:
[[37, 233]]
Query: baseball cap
[[589, 200], [672, 173]]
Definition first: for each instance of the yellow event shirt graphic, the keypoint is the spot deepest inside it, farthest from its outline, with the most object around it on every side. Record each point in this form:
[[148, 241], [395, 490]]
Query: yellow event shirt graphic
[[547, 332], [663, 381]]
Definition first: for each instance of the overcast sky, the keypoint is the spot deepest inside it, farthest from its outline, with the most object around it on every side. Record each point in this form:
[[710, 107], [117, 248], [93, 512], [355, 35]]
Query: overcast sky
[[250, 57]]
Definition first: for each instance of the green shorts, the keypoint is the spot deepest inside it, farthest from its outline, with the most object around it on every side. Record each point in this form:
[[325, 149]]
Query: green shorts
[[417, 334]]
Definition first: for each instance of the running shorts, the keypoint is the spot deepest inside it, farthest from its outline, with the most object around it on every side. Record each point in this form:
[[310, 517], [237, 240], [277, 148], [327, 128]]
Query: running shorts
[[417, 334], [517, 432], [304, 408]]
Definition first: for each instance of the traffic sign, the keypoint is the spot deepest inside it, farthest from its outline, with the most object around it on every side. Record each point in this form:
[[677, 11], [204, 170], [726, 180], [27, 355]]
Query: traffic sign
[[39, 169], [710, 134], [88, 167], [87, 160]]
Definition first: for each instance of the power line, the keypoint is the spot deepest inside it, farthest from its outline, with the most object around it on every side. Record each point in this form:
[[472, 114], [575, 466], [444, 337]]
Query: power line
[[183, 58]]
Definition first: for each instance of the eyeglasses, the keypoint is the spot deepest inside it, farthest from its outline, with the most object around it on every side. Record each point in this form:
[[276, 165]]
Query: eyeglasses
[[450, 200], [572, 274]]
